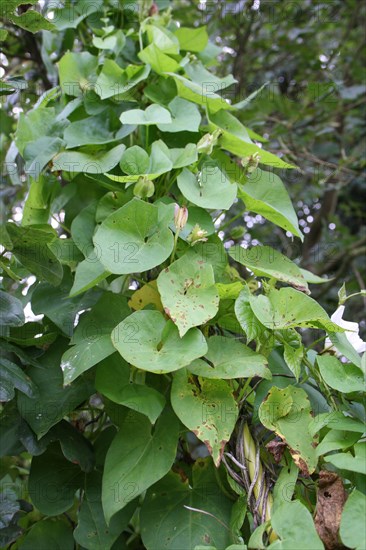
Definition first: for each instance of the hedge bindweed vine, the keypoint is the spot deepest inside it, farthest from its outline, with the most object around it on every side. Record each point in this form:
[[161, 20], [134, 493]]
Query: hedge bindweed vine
[[160, 394]]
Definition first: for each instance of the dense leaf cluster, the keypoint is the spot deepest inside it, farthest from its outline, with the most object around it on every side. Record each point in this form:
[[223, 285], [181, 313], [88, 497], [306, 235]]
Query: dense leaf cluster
[[156, 389]]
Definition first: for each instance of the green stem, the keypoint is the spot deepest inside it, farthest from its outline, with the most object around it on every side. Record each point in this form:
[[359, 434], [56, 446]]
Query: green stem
[[315, 343], [217, 217], [361, 293], [175, 245], [244, 389], [226, 224], [140, 40], [324, 387], [61, 224], [171, 182]]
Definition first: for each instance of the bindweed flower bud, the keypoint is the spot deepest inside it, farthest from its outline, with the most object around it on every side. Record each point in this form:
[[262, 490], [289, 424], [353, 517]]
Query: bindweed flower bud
[[205, 144], [251, 163], [196, 235], [144, 188], [154, 10], [180, 216], [208, 141], [237, 232]]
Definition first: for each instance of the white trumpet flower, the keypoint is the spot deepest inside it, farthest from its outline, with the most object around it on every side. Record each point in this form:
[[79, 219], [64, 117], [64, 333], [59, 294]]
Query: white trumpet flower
[[351, 331]]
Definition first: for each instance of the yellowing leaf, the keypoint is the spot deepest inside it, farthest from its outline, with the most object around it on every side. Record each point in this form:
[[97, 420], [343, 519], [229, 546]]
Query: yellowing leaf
[[287, 412], [146, 295]]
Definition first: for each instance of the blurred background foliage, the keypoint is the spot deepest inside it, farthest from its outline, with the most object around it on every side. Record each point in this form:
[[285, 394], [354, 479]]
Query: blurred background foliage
[[310, 55]]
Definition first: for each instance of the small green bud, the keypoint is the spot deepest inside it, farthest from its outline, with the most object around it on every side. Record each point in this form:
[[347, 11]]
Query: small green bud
[[208, 141], [251, 163], [205, 144], [342, 294], [144, 188], [237, 232]]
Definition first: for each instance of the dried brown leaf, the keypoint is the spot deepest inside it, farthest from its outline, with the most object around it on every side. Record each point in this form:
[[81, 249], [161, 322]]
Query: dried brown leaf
[[330, 502]]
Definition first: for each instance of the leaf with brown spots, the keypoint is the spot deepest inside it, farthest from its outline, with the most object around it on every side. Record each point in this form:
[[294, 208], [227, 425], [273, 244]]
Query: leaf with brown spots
[[188, 292]]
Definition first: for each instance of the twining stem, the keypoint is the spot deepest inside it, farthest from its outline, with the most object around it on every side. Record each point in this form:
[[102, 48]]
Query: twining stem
[[256, 472], [361, 293]]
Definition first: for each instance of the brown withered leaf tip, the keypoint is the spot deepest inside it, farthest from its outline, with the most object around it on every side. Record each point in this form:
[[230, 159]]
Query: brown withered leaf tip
[[300, 463], [276, 447], [329, 506]]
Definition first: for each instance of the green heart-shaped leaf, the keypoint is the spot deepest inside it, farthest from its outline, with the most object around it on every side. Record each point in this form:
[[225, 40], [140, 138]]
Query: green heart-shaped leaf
[[203, 95], [135, 161], [113, 380], [159, 61], [210, 188], [137, 458], [186, 117], [77, 72], [178, 500], [343, 377], [154, 114], [88, 163], [136, 237], [265, 194], [114, 81], [149, 342], [192, 40], [227, 358]]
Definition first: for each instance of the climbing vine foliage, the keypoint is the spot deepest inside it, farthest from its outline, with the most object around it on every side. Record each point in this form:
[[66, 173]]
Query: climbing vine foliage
[[156, 388]]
